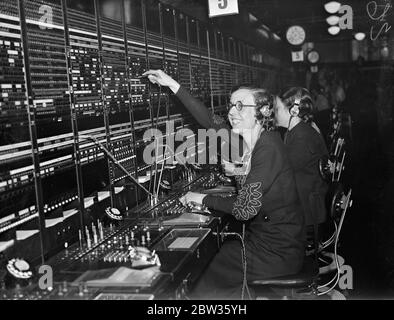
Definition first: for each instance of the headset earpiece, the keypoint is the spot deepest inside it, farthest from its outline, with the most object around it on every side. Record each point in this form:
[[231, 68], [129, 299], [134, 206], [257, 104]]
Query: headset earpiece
[[295, 109]]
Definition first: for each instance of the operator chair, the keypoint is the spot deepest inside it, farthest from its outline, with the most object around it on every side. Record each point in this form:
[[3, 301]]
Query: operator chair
[[305, 284], [302, 285]]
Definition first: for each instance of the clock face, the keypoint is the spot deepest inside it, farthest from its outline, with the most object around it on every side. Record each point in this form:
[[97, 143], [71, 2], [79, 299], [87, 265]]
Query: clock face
[[295, 35], [313, 56]]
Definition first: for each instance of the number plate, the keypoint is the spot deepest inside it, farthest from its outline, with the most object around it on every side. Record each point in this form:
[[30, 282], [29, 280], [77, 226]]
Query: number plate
[[222, 7]]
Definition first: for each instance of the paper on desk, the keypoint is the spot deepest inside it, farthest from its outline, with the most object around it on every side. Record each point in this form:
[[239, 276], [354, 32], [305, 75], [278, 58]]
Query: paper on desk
[[188, 218], [24, 234], [183, 243], [124, 276]]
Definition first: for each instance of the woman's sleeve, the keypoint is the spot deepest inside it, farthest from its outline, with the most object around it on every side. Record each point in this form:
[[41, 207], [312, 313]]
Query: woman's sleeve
[[199, 111], [207, 120], [266, 165]]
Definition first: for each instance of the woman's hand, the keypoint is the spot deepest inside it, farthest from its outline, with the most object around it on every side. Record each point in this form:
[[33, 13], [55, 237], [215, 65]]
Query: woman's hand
[[162, 79], [192, 197]]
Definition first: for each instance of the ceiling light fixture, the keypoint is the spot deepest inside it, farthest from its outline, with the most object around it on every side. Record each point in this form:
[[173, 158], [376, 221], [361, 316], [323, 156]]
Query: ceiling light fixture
[[332, 20], [332, 7], [385, 52], [252, 18], [334, 30], [276, 37], [359, 36], [263, 32]]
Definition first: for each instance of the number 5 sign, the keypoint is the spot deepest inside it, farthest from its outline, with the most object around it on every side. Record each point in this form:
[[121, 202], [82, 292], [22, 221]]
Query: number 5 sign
[[222, 7], [297, 56]]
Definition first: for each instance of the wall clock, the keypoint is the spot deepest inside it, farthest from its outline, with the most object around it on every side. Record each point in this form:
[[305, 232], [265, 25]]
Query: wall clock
[[295, 35]]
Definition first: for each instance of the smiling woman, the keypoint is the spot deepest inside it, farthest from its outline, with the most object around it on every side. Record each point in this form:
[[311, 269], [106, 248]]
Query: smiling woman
[[267, 199]]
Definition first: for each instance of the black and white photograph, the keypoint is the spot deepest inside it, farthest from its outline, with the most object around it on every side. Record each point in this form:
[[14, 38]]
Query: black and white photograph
[[199, 156]]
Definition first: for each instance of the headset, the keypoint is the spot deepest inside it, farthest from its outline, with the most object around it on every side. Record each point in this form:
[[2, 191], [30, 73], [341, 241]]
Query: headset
[[294, 111], [295, 108]]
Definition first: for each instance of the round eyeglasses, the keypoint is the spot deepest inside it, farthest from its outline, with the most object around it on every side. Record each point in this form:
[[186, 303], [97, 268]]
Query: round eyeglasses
[[239, 105]]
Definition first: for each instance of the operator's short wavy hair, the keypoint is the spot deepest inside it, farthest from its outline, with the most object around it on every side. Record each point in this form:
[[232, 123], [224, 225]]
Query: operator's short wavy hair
[[306, 105], [262, 98]]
